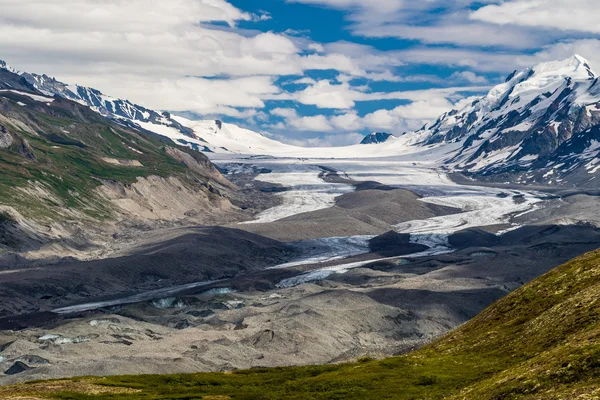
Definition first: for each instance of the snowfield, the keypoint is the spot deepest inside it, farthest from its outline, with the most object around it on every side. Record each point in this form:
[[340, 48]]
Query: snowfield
[[34, 97]]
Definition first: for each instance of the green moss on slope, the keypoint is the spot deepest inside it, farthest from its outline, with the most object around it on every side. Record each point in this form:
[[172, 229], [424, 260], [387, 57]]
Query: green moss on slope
[[66, 150], [540, 342]]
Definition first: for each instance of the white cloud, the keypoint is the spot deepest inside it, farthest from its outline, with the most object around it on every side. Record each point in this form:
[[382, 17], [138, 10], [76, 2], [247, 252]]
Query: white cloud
[[316, 123], [469, 76], [304, 81], [284, 112], [575, 15], [157, 54], [408, 117], [325, 95], [422, 107], [347, 122], [460, 32], [117, 16], [480, 60]]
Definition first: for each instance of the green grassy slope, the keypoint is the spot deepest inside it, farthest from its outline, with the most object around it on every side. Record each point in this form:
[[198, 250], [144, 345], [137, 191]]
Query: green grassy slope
[[63, 148], [540, 342]]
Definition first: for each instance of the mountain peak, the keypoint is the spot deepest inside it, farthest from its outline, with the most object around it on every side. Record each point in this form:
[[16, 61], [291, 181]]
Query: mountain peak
[[575, 67], [377, 137], [4, 65]]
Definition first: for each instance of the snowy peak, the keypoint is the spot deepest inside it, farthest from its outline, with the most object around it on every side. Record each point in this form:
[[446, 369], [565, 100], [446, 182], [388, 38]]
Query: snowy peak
[[575, 67], [111, 107], [522, 123], [5, 66]]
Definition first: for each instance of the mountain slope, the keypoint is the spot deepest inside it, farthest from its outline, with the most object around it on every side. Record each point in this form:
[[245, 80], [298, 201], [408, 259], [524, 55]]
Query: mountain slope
[[540, 342], [522, 128], [68, 171], [205, 135], [99, 102], [540, 126]]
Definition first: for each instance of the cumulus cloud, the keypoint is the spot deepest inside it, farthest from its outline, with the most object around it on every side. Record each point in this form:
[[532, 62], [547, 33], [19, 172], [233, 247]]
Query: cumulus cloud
[[469, 76], [575, 15], [327, 94], [408, 117], [324, 94], [315, 123], [421, 107], [159, 53]]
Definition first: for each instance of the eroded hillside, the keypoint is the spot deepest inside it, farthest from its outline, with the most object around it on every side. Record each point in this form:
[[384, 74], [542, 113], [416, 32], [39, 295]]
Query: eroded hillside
[[73, 181]]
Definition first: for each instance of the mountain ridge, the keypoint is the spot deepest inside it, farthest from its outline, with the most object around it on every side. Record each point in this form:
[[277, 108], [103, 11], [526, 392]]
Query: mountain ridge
[[538, 127], [517, 128], [71, 176]]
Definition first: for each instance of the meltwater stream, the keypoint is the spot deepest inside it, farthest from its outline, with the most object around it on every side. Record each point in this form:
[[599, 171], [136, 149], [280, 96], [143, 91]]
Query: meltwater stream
[[137, 298]]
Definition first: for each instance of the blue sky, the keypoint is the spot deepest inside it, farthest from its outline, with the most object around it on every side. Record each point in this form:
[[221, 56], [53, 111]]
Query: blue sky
[[310, 72]]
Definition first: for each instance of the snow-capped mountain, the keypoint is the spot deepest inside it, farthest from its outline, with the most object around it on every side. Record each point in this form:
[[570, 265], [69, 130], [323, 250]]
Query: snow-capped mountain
[[527, 125], [224, 138], [376, 138], [105, 105], [541, 125], [5, 66], [10, 80]]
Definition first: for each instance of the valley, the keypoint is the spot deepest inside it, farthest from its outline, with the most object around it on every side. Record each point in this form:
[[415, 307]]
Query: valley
[[140, 242], [299, 200], [383, 255]]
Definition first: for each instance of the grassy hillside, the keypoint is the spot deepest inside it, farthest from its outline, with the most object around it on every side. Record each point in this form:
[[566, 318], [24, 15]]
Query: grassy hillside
[[59, 152], [540, 342]]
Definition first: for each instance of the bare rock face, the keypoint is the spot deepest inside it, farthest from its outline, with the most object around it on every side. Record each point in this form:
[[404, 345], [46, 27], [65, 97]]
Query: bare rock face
[[151, 199], [5, 138], [17, 368], [202, 166], [33, 360], [25, 150], [376, 138]]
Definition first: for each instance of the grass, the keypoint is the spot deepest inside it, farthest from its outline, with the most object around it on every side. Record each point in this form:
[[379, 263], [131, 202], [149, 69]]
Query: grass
[[540, 342], [70, 144]]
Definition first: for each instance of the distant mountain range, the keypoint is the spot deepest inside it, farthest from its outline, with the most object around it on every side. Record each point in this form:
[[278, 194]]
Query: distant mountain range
[[540, 126]]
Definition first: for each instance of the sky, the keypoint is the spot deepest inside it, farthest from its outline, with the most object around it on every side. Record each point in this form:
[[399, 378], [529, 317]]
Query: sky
[[306, 72]]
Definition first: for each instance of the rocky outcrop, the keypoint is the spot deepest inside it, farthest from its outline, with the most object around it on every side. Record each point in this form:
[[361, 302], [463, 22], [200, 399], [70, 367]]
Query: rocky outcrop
[[5, 138], [17, 368], [375, 138]]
